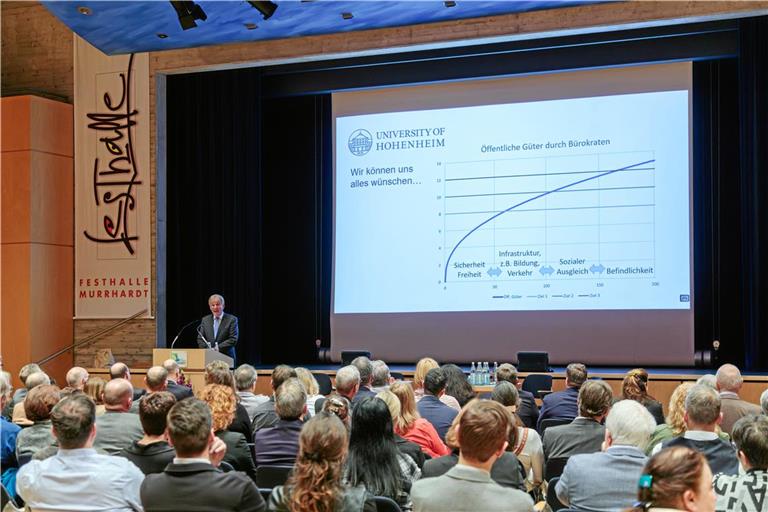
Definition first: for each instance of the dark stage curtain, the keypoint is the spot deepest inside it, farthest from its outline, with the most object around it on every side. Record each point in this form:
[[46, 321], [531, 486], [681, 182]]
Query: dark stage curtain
[[214, 202]]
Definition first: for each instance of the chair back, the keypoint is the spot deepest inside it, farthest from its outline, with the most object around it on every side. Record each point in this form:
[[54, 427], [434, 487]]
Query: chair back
[[552, 499], [384, 504], [269, 476], [265, 493], [226, 467], [554, 467], [324, 383], [397, 375], [536, 382], [553, 422]]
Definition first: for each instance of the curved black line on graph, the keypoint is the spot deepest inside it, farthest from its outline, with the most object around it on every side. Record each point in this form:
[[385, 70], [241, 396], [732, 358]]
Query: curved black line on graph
[[558, 189]]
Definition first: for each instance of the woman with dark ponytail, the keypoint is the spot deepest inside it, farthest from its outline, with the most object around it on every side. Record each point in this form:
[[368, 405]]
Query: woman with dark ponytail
[[676, 479]]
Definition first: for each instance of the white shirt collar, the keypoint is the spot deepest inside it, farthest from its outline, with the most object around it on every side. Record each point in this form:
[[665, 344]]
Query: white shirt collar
[[184, 460], [700, 435], [728, 394]]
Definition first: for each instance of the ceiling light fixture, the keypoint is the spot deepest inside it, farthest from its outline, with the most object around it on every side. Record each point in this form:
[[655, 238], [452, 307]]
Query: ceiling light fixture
[[251, 26], [450, 4], [347, 15], [267, 9], [162, 36], [85, 11], [188, 12]]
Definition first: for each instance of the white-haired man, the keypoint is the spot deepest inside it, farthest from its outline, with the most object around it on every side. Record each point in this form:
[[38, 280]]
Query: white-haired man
[[607, 480], [729, 382], [77, 377]]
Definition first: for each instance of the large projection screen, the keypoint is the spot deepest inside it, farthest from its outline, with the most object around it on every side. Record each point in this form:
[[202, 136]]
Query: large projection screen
[[476, 219]]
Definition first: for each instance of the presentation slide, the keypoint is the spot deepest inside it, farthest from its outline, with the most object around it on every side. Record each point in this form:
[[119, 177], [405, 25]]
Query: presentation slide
[[555, 205]]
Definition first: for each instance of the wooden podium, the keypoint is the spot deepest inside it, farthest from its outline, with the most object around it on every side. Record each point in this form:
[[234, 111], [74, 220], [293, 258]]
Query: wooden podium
[[192, 361]]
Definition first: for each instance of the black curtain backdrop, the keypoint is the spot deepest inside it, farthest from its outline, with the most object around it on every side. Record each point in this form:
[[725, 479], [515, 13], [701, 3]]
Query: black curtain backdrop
[[214, 202]]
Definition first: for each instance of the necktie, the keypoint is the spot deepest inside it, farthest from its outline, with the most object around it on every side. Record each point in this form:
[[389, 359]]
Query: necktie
[[216, 322]]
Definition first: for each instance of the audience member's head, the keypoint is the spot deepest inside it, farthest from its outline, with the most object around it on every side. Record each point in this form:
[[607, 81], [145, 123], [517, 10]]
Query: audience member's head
[[339, 406], [348, 381], [291, 400], [507, 373], [172, 367], [308, 381], [280, 374], [245, 378], [40, 402], [434, 382], [635, 386], [119, 371], [315, 482], [702, 408], [507, 395], [457, 385], [483, 431], [729, 378], [364, 366], [37, 379], [5, 388], [595, 399], [153, 412], [217, 372], [708, 380], [676, 410], [677, 478], [373, 454], [630, 424], [408, 411], [380, 376], [73, 422], [189, 428], [422, 367], [27, 370], [750, 435], [764, 401], [575, 375], [77, 377], [156, 379], [222, 402], [118, 395], [393, 403], [95, 389]]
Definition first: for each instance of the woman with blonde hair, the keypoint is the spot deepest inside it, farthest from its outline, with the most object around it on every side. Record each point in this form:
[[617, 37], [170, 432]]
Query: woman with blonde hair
[[405, 446], [315, 483], [222, 403], [310, 386], [409, 425], [94, 388], [422, 368], [635, 387]]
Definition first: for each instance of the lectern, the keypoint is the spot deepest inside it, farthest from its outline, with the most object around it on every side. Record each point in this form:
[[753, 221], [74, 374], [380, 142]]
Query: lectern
[[192, 361]]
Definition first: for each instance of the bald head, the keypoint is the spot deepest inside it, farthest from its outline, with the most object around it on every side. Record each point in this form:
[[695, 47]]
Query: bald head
[[118, 395], [729, 378], [157, 378], [77, 377], [37, 379], [119, 371]]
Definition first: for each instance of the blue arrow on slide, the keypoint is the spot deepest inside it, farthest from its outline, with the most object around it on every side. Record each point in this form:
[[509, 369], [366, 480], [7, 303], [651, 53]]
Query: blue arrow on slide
[[547, 271], [494, 271], [597, 269]]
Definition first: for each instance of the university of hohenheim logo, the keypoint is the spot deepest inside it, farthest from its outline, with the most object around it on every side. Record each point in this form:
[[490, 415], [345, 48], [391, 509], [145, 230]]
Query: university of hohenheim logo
[[360, 142]]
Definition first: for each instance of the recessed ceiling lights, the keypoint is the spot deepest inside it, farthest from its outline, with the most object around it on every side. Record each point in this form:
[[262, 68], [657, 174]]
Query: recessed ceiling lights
[[85, 11], [251, 26], [347, 15], [450, 4], [162, 36]]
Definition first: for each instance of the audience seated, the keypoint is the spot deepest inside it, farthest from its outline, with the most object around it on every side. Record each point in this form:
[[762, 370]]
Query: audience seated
[[585, 433], [406, 447], [457, 385], [217, 372], [563, 404], [635, 387], [311, 387], [265, 415], [413, 427], [708, 380], [505, 471], [676, 479], [729, 382], [31, 382], [702, 415], [422, 368], [315, 483], [156, 379], [24, 372], [524, 442], [77, 477], [748, 491], [527, 411], [152, 453], [339, 406], [380, 378], [245, 382], [279, 443], [77, 378], [193, 481], [38, 405], [364, 366], [431, 408], [176, 389], [94, 389], [117, 428], [222, 403], [121, 371], [374, 460], [347, 383], [8, 435], [607, 480], [482, 437]]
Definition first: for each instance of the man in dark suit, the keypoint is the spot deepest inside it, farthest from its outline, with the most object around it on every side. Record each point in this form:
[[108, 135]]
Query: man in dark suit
[[176, 389], [431, 408], [219, 329], [562, 404], [279, 444], [528, 411], [365, 367], [585, 433], [265, 415], [152, 453], [193, 481], [121, 371]]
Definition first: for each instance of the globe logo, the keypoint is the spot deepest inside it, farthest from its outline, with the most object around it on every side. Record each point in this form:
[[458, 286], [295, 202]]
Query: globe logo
[[360, 142]]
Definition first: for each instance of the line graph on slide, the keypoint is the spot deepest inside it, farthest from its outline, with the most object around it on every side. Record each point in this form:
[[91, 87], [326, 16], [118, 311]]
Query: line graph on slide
[[586, 216]]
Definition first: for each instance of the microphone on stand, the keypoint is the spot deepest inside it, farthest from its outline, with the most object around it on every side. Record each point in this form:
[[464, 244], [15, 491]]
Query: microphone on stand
[[203, 336], [182, 330]]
